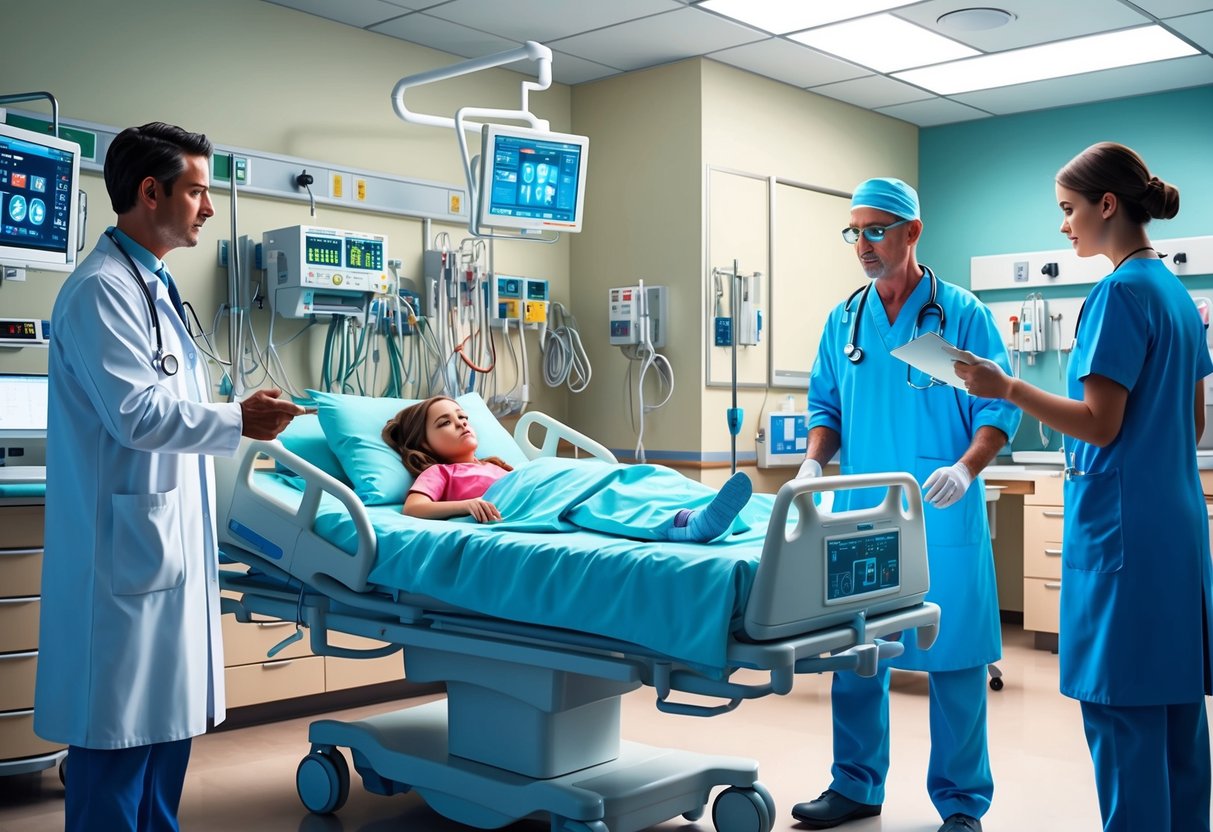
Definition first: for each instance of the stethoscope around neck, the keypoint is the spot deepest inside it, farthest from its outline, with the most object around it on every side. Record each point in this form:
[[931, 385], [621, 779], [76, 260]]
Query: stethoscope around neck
[[853, 351], [164, 362]]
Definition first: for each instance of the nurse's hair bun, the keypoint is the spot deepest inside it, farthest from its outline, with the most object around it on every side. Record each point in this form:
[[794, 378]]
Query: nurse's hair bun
[[1108, 167], [1160, 199]]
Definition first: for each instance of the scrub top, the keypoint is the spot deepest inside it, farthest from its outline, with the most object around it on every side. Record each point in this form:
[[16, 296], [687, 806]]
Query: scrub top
[[887, 425], [1136, 577]]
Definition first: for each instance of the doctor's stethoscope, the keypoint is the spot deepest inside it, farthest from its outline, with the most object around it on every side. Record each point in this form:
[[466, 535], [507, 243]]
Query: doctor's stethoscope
[[163, 362], [854, 352]]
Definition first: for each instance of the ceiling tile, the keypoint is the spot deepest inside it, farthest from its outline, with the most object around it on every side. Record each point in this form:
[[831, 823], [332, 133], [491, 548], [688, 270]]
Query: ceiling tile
[[661, 38], [789, 62], [873, 91], [1197, 28], [1122, 82], [1171, 8], [544, 20], [444, 36], [933, 111], [360, 13], [1036, 21], [569, 69]]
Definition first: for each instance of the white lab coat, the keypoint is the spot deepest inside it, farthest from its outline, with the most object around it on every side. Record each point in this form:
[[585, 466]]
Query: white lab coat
[[130, 650]]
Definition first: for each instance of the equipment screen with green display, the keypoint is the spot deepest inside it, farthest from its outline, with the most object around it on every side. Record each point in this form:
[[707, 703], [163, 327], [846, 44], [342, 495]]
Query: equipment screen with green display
[[363, 254], [322, 251]]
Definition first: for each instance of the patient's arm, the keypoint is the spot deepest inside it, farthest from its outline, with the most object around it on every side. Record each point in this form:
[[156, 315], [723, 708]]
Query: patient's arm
[[419, 505]]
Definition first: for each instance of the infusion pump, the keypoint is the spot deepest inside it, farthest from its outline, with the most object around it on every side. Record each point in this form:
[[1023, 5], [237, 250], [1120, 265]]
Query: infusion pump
[[324, 271]]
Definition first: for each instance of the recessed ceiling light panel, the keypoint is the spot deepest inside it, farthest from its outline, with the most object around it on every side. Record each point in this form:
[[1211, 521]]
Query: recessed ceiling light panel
[[782, 16], [884, 43]]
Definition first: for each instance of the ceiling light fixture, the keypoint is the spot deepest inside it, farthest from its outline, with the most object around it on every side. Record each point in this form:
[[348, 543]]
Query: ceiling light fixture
[[1128, 47], [884, 43], [975, 20], [782, 16]]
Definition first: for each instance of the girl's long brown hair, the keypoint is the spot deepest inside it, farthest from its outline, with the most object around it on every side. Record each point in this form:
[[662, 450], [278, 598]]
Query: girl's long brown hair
[[404, 433]]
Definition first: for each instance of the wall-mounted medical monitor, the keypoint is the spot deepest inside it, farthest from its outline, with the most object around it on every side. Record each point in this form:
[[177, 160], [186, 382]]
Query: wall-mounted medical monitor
[[23, 403], [39, 183], [532, 180]]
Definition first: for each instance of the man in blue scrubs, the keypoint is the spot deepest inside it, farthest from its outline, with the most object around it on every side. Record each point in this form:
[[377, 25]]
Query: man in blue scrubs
[[884, 416]]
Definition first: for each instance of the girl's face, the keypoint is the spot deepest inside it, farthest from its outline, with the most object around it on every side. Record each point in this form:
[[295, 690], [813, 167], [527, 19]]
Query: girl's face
[[448, 433]]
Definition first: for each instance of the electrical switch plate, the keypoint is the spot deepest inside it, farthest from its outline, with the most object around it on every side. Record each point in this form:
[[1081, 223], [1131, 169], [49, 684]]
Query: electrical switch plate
[[1021, 272]]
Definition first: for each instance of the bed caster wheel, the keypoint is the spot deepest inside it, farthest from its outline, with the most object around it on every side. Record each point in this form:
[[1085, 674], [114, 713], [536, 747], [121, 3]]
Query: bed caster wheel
[[693, 815], [323, 781], [743, 810], [996, 683], [583, 826], [63, 772]]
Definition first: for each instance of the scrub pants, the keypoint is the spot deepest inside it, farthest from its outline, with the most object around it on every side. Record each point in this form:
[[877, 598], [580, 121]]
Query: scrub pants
[[126, 789], [958, 774], [1151, 766]]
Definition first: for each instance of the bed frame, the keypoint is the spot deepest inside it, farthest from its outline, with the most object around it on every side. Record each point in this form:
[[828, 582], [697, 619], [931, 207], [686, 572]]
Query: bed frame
[[530, 725]]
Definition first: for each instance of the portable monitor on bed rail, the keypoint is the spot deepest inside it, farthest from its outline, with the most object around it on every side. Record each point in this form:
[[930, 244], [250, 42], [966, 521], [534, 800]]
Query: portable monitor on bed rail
[[863, 564]]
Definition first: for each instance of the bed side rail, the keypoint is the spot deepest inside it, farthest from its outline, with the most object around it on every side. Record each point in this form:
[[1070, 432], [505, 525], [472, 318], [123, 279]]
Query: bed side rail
[[553, 432], [789, 595], [251, 518]]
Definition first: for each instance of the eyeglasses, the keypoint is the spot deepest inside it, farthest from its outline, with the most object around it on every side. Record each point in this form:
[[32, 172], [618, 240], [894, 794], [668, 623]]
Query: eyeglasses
[[873, 233]]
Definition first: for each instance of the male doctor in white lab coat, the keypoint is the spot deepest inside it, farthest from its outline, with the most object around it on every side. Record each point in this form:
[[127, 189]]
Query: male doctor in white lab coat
[[130, 661]]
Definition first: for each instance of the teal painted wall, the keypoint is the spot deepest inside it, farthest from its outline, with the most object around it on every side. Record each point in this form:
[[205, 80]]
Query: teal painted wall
[[987, 186]]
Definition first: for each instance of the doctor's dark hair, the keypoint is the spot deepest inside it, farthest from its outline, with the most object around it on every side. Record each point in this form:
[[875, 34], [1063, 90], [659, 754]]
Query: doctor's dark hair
[[1108, 167], [157, 150], [404, 433]]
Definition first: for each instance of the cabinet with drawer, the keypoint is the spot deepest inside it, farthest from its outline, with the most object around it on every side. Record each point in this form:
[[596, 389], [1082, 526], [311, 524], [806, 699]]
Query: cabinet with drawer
[[21, 750], [1043, 517]]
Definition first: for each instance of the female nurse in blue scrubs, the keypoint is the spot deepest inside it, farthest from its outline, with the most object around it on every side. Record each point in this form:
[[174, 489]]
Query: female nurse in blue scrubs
[[1136, 577]]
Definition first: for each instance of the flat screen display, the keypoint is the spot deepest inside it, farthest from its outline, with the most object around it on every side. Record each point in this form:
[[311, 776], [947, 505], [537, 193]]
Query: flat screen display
[[322, 251], [38, 186], [365, 254], [532, 179], [862, 564], [23, 402]]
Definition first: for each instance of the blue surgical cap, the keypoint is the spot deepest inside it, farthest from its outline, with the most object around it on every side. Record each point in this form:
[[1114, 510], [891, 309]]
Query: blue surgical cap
[[886, 194]]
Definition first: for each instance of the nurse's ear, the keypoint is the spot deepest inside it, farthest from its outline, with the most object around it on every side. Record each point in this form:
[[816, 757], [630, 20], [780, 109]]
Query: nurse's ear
[[1107, 205]]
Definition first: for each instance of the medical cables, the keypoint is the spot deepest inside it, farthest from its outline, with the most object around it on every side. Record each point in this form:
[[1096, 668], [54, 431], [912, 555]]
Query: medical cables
[[649, 359], [564, 358]]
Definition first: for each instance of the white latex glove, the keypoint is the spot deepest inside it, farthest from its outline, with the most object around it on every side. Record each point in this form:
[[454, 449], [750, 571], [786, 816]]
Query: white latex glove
[[809, 469], [947, 485]]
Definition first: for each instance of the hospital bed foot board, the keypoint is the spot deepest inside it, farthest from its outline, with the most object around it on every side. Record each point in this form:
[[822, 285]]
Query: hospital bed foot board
[[644, 785]]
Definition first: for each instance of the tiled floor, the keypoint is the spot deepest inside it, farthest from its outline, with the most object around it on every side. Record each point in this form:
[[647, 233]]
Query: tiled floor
[[244, 779]]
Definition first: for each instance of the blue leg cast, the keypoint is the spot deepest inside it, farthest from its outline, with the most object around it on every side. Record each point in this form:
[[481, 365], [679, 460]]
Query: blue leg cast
[[711, 522]]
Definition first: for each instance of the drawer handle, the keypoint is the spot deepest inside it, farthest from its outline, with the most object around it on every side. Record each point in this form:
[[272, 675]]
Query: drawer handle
[[13, 656], [272, 665], [24, 599], [1053, 585], [1053, 513], [15, 714], [274, 623], [16, 553], [1053, 553]]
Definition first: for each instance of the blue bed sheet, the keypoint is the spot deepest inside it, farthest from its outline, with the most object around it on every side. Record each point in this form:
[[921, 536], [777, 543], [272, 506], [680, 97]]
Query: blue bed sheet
[[677, 599]]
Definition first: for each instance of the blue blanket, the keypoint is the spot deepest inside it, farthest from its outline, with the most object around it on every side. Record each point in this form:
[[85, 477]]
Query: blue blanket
[[679, 600]]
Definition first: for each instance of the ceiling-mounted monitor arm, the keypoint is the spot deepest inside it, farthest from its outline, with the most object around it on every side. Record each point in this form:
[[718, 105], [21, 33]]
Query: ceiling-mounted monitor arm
[[530, 51]]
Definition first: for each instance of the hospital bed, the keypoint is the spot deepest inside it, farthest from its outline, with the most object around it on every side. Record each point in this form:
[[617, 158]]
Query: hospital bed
[[531, 721]]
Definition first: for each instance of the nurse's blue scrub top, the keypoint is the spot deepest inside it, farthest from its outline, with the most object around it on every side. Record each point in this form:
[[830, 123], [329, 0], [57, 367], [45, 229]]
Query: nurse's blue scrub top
[[1136, 577], [886, 425]]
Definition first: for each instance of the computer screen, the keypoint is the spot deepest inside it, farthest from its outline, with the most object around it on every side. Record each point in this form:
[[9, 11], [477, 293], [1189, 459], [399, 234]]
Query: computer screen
[[23, 402], [39, 183], [532, 180], [862, 564]]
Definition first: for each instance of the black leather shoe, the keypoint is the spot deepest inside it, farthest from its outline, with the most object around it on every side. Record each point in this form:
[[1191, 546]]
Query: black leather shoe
[[960, 823], [832, 809]]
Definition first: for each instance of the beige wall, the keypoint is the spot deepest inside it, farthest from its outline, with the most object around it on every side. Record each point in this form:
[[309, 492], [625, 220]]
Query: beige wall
[[643, 220], [259, 76]]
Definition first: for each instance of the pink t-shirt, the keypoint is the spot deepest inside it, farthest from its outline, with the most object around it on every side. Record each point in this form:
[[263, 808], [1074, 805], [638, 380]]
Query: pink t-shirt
[[457, 480]]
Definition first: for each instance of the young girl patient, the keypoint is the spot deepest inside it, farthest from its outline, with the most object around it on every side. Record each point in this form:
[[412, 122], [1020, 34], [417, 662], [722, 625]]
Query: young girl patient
[[438, 447]]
